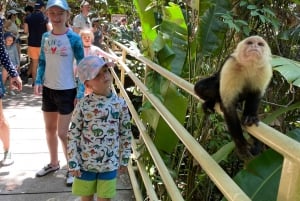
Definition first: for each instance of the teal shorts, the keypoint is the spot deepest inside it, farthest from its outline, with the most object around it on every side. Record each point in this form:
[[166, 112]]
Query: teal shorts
[[89, 183]]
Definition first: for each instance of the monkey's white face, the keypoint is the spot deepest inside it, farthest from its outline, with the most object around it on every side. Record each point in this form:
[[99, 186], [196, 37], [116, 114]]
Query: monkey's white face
[[254, 49]]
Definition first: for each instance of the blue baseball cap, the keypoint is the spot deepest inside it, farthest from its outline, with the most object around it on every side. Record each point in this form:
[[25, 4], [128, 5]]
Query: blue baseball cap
[[60, 3]]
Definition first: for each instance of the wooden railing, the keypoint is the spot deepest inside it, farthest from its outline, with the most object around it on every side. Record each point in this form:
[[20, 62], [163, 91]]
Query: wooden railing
[[289, 188]]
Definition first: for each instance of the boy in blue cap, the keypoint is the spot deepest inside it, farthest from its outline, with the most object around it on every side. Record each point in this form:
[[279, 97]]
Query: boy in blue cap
[[99, 139]]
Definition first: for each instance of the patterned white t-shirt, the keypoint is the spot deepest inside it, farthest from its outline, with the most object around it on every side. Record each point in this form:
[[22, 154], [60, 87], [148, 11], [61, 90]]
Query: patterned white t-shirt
[[99, 138], [59, 56]]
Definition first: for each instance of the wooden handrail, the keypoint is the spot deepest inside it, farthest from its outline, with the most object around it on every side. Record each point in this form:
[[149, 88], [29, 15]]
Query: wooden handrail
[[278, 141]]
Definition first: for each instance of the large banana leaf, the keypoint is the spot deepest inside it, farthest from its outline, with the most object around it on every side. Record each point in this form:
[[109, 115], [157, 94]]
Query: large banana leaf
[[289, 69], [169, 45], [260, 179], [175, 34], [212, 29], [148, 22], [164, 138]]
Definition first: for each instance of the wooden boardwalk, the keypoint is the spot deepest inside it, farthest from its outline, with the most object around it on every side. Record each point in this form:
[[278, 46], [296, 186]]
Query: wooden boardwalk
[[18, 182]]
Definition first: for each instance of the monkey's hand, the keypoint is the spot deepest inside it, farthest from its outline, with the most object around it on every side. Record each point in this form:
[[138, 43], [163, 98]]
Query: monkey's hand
[[250, 120]]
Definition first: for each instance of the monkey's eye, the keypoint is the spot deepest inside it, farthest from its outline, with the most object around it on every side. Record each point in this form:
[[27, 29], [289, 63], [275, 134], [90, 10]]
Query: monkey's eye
[[261, 44], [249, 42]]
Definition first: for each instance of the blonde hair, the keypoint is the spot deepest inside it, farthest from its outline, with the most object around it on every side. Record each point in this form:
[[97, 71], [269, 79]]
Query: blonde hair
[[87, 32]]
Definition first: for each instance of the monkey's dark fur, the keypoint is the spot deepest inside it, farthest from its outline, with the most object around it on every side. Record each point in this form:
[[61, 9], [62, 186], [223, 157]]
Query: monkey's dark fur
[[242, 79]]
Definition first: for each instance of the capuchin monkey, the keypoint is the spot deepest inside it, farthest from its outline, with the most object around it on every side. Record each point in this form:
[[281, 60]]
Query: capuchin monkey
[[242, 79]]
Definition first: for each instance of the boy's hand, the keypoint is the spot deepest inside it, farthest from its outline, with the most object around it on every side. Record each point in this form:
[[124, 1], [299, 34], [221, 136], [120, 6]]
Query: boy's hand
[[75, 173]]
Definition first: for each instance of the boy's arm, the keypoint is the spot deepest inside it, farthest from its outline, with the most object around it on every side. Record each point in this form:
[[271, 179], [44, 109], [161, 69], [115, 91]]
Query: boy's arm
[[74, 134], [125, 135]]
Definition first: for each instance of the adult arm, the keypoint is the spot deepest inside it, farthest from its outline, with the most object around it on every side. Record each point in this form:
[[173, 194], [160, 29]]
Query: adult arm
[[25, 27], [7, 64], [7, 24]]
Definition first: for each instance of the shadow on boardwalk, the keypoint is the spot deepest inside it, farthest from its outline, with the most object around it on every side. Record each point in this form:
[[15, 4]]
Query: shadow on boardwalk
[[18, 182]]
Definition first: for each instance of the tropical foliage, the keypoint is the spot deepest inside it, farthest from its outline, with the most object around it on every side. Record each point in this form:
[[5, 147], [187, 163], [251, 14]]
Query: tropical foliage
[[213, 30]]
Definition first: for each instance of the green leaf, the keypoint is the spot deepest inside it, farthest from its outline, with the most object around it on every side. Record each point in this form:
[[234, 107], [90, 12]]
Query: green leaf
[[261, 176], [262, 18], [151, 5], [151, 116], [168, 40], [148, 22], [260, 179], [212, 30], [166, 56], [254, 13], [174, 30], [158, 43], [223, 152], [275, 114], [296, 1], [289, 69], [251, 7], [268, 11], [163, 133]]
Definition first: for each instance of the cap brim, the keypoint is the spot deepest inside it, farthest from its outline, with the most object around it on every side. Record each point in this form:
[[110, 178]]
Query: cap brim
[[85, 4]]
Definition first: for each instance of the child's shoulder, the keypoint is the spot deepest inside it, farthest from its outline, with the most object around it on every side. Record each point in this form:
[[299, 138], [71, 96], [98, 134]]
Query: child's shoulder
[[72, 33], [119, 99], [73, 36]]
